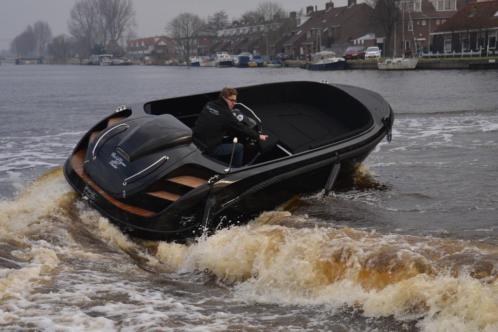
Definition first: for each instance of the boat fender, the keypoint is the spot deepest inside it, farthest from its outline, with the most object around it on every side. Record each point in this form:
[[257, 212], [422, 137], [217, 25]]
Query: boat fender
[[206, 217], [332, 177], [210, 202], [388, 124]]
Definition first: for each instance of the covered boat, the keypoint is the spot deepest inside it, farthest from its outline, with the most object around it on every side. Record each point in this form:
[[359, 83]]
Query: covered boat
[[326, 60], [141, 169]]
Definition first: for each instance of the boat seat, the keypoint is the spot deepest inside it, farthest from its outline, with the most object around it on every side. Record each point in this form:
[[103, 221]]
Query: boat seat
[[188, 181], [164, 195]]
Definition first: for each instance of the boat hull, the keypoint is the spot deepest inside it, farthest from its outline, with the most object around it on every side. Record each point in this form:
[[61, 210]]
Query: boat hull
[[328, 66], [220, 198], [398, 64], [233, 205], [224, 63]]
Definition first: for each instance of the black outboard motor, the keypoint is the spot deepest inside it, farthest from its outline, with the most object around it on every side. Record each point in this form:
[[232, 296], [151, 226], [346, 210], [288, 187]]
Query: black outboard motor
[[131, 155]]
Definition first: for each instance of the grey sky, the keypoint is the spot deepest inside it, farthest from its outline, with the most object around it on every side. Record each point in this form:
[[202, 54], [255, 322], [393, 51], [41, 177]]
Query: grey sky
[[152, 15]]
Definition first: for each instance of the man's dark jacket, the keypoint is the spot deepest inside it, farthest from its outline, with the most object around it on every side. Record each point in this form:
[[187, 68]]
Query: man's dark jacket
[[215, 121]]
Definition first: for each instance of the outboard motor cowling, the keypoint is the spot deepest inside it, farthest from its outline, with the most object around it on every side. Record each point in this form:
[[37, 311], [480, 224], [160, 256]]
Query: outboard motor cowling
[[152, 134], [125, 160]]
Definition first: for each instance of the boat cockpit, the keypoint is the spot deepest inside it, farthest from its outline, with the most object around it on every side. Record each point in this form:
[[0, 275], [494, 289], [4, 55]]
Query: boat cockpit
[[294, 121]]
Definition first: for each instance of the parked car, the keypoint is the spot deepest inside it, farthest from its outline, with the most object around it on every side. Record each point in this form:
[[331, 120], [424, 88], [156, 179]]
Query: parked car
[[354, 52], [373, 52]]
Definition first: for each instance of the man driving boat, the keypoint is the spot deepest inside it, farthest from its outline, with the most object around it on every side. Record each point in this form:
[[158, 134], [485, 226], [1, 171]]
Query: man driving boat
[[218, 120]]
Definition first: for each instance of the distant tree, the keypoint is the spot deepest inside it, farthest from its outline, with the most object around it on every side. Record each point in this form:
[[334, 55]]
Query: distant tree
[[184, 29], [61, 48], [101, 22], [131, 35], [84, 25], [43, 35], [387, 14], [252, 17], [265, 12], [270, 10], [218, 21], [117, 18], [24, 44]]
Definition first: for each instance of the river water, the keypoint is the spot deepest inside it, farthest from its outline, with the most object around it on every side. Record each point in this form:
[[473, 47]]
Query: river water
[[413, 246]]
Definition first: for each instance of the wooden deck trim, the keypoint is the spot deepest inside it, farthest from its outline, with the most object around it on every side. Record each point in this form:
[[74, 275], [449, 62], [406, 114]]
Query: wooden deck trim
[[77, 163], [189, 181], [112, 121], [94, 135], [164, 195]]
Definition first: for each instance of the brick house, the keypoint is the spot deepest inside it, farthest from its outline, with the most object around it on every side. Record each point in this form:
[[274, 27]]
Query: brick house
[[261, 37], [474, 28], [204, 43], [151, 50], [418, 19], [334, 28]]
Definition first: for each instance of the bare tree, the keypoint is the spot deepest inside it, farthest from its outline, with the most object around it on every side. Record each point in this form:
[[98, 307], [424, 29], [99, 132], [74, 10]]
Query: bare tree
[[101, 22], [387, 14], [61, 48], [43, 35], [185, 29], [24, 44], [270, 10], [118, 17], [83, 25], [252, 17], [218, 21]]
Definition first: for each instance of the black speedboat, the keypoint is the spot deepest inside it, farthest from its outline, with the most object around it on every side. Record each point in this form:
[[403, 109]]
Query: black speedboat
[[141, 169]]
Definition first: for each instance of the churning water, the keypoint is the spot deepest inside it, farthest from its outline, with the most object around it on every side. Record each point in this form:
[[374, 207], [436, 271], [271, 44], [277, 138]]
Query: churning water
[[413, 246]]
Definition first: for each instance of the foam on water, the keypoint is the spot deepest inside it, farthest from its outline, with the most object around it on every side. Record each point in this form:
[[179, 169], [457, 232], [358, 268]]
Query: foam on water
[[436, 281], [20, 156], [97, 277], [437, 130]]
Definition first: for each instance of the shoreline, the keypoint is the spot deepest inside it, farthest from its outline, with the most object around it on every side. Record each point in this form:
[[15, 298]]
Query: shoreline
[[423, 64], [436, 63]]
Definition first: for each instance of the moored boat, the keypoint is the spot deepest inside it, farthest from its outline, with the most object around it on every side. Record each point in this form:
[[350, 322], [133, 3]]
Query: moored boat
[[397, 64], [223, 59], [195, 61], [326, 60], [141, 169], [242, 60]]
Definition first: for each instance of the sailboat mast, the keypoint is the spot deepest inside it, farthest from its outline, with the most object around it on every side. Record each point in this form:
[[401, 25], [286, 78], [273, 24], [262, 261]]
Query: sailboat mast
[[394, 43], [403, 48]]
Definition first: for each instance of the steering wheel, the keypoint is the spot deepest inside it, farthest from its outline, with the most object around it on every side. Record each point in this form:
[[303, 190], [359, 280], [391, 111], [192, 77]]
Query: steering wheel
[[248, 119]]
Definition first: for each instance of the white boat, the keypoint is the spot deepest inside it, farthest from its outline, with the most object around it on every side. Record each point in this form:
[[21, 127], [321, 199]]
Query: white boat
[[326, 60], [397, 64], [223, 59], [120, 62], [207, 61], [195, 61], [100, 59], [400, 63]]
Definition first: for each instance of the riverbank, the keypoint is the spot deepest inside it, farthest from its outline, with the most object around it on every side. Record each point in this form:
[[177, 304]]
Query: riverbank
[[370, 64], [437, 63]]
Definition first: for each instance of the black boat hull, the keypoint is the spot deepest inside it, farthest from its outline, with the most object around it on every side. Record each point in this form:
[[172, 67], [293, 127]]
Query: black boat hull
[[339, 65], [224, 198]]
